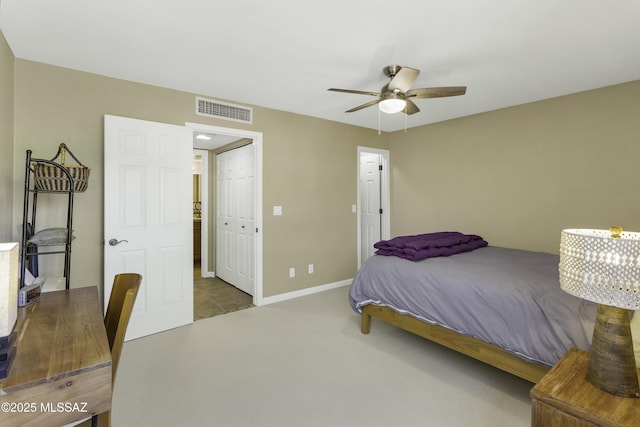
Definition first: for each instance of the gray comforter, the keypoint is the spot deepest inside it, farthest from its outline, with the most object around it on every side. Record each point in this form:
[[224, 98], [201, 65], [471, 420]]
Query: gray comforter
[[507, 297]]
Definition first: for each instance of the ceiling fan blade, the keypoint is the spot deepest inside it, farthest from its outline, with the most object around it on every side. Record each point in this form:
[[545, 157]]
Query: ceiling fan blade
[[411, 107], [358, 92], [436, 92], [360, 107], [404, 79]]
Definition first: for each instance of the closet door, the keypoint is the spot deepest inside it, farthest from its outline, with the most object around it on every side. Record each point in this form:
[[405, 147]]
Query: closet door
[[235, 218], [245, 235], [224, 217]]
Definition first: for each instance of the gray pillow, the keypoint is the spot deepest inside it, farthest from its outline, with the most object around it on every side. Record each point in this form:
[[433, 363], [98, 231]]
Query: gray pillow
[[50, 237]]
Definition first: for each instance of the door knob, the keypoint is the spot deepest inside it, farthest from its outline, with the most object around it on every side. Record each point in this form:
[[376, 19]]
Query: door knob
[[114, 242]]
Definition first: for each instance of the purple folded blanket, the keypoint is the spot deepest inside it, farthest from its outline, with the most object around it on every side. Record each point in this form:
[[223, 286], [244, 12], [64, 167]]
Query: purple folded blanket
[[429, 245]]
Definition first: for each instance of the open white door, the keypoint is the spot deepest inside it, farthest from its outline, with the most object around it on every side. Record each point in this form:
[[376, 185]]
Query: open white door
[[148, 219], [370, 203], [373, 200]]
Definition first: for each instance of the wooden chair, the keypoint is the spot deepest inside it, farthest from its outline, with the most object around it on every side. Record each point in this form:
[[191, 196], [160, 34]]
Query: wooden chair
[[123, 296]]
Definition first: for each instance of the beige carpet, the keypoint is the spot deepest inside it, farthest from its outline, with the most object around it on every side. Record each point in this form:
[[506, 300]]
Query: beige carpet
[[303, 362]]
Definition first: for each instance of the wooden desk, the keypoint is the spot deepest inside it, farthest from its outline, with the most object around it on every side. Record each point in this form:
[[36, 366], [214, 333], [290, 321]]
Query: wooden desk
[[565, 398], [62, 369]]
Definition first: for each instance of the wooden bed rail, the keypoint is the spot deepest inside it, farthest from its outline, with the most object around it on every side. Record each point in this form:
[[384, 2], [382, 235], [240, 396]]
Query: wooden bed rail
[[487, 353]]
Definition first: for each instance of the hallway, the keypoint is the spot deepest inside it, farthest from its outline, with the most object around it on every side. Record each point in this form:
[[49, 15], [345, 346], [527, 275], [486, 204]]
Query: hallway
[[213, 296]]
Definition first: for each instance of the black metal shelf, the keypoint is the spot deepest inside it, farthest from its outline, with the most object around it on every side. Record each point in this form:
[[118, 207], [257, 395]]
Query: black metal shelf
[[31, 252]]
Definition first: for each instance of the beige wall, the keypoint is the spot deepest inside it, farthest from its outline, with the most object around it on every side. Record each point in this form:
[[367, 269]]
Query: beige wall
[[518, 176], [309, 168], [6, 138]]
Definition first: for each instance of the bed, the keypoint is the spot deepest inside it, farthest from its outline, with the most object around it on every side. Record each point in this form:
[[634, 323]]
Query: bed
[[501, 306]]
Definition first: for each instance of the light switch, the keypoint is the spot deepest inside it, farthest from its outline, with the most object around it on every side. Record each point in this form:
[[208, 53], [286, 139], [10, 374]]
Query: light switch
[[277, 210]]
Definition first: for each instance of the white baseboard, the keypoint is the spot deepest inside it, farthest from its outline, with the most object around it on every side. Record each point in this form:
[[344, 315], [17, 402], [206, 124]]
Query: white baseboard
[[208, 274], [303, 292]]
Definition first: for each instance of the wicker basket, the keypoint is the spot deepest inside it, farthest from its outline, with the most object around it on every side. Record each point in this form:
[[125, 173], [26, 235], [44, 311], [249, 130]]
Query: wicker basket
[[50, 177]]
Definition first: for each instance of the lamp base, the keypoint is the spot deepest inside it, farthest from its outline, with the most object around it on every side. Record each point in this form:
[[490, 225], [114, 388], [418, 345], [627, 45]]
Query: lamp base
[[612, 365]]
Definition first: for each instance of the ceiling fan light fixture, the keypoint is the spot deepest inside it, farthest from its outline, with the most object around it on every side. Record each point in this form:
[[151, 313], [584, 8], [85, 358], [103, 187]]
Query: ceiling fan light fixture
[[397, 95], [392, 105]]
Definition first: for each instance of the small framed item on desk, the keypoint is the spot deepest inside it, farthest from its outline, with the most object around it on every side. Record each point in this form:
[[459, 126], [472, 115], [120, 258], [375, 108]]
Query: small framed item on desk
[[28, 294]]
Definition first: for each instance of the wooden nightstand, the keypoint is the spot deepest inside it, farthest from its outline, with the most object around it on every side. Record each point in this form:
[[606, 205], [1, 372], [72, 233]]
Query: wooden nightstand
[[565, 398]]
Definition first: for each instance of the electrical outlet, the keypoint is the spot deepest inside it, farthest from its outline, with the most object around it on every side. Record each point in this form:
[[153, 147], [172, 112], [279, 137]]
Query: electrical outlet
[[310, 268], [292, 272]]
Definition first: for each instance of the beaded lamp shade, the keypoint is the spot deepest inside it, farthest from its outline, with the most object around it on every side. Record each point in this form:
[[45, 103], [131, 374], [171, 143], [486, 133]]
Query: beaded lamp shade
[[599, 267], [603, 266]]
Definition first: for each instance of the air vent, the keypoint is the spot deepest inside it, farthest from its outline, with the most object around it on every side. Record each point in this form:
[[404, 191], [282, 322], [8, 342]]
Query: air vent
[[222, 110]]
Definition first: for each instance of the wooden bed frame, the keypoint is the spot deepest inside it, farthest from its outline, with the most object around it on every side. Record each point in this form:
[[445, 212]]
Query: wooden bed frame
[[487, 353]]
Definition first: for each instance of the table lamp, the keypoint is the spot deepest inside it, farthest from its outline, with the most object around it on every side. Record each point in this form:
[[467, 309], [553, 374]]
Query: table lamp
[[604, 267]]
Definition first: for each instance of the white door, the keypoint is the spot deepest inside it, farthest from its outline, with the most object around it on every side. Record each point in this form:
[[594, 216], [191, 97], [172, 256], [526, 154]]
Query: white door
[[370, 203], [225, 263], [148, 219], [235, 218]]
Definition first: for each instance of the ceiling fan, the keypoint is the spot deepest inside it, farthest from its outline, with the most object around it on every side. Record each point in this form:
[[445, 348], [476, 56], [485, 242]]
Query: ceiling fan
[[397, 95]]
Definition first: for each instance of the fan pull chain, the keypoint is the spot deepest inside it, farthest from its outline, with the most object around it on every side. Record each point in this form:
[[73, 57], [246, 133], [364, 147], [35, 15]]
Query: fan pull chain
[[378, 121]]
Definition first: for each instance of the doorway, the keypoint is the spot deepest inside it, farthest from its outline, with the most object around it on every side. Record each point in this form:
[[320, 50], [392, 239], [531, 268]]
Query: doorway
[[200, 212], [224, 136], [373, 200], [213, 293]]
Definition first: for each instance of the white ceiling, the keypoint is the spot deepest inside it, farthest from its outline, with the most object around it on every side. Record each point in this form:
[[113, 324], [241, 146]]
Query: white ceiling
[[285, 54], [214, 141]]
